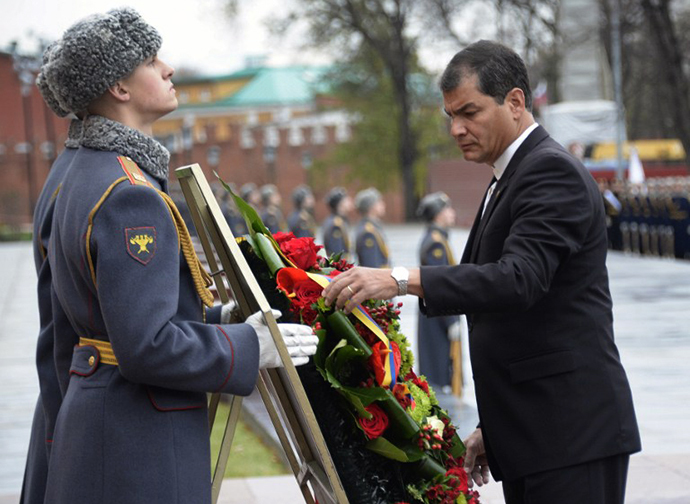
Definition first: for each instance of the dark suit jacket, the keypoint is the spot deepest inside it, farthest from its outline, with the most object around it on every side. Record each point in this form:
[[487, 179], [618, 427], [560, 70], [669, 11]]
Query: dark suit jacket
[[550, 387]]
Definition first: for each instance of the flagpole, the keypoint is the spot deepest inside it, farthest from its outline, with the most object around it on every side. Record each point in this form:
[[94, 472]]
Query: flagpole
[[617, 85]]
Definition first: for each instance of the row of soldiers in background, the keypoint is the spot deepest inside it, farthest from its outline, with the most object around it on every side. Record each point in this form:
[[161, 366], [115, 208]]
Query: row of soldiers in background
[[370, 248], [651, 219], [439, 338]]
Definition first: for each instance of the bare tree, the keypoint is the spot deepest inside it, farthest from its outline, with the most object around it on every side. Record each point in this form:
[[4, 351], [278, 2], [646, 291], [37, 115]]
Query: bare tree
[[670, 55]]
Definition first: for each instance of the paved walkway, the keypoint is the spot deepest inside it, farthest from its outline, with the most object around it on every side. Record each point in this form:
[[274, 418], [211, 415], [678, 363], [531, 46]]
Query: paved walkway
[[652, 323]]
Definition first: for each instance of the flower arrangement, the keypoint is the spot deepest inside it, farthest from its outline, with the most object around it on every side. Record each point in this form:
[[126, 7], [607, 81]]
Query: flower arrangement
[[390, 440]]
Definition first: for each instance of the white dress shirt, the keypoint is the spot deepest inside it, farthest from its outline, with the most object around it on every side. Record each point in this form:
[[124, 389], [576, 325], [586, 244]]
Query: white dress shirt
[[502, 162]]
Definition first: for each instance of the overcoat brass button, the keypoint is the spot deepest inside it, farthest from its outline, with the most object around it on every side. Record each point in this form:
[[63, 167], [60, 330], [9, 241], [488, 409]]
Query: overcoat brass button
[[92, 359]]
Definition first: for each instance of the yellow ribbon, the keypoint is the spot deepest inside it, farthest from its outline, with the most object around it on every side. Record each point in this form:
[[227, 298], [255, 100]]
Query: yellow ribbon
[[366, 319]]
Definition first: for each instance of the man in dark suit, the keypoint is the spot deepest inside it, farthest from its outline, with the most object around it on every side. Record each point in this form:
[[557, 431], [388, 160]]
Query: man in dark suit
[[557, 422]]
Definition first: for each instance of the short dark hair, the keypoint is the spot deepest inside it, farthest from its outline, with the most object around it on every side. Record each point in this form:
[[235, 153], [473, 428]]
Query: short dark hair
[[498, 70]]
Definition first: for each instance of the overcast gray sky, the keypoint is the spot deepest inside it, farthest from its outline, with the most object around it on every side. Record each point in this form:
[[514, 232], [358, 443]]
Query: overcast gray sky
[[195, 33]]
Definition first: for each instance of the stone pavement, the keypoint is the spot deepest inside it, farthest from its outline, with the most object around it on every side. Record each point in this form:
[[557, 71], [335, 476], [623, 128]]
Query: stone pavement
[[652, 323]]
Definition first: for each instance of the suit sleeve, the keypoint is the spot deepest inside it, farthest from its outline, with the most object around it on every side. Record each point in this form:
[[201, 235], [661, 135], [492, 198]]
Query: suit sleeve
[[551, 211], [139, 295]]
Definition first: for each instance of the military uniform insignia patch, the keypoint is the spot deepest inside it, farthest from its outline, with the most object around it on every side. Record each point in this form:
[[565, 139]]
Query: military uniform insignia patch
[[141, 243]]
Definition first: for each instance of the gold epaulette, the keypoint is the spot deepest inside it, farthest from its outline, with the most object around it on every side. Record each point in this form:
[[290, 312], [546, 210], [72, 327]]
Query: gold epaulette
[[133, 171]]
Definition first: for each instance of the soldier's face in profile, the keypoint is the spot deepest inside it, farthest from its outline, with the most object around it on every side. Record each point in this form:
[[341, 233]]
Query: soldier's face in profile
[[446, 217], [379, 209], [150, 89], [346, 206]]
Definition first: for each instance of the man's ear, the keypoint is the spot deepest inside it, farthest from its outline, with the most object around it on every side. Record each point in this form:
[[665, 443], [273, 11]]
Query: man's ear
[[516, 100], [119, 91]]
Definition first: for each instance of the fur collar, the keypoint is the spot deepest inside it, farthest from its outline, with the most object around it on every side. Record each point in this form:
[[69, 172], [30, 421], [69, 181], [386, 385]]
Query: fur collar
[[74, 134], [104, 134]]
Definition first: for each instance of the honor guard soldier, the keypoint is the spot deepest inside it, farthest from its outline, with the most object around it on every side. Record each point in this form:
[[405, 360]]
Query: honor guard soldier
[[301, 222], [370, 242], [336, 228], [271, 214], [439, 360], [235, 221], [680, 219], [135, 348], [250, 193], [50, 397]]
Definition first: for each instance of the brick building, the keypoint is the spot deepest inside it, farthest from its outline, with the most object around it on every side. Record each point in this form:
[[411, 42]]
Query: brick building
[[258, 125], [30, 136]]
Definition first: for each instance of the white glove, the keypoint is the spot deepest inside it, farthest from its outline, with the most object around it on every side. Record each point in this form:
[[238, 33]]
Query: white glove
[[299, 339], [226, 312], [455, 331]]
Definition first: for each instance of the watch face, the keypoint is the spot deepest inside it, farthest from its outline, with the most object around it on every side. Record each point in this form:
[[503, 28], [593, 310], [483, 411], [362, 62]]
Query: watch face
[[400, 274]]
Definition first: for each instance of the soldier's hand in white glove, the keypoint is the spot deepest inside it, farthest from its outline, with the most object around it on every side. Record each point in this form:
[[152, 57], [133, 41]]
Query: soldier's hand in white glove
[[227, 312], [299, 339], [455, 331]]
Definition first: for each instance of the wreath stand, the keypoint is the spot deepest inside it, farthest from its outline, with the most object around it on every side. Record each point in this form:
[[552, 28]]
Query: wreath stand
[[281, 389]]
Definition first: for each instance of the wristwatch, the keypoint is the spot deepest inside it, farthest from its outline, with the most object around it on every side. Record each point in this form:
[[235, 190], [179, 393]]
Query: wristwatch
[[401, 276]]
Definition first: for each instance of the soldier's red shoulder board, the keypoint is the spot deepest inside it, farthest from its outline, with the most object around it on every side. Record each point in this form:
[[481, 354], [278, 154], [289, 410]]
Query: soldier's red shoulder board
[[133, 172]]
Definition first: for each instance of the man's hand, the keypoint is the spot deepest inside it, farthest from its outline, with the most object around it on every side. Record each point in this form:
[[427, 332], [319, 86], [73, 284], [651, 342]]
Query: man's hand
[[300, 341], [358, 284], [476, 464]]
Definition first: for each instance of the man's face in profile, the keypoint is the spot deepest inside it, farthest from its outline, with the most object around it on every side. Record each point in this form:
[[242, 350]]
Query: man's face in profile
[[482, 128]]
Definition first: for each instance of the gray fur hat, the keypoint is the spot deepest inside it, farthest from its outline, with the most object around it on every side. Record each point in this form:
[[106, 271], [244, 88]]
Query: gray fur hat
[[267, 190], [92, 55], [43, 86], [335, 196], [247, 189], [299, 194], [366, 198], [432, 204]]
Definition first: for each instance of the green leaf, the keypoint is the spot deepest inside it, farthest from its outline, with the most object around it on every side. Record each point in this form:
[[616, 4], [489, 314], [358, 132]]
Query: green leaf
[[457, 447], [387, 449], [343, 328], [254, 222], [366, 395], [401, 423], [268, 252], [253, 245], [332, 378]]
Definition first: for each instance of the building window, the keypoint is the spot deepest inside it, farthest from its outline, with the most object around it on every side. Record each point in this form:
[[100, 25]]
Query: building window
[[319, 134], [342, 132], [295, 136], [271, 136], [247, 139], [183, 97], [205, 95]]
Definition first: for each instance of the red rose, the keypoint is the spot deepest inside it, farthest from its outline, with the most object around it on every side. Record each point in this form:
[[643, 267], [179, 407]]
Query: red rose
[[308, 315], [306, 293], [377, 424], [281, 237], [301, 251], [380, 355], [459, 474], [433, 492]]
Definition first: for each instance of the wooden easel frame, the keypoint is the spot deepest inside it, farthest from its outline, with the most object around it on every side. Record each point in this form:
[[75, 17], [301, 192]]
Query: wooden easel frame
[[281, 389]]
